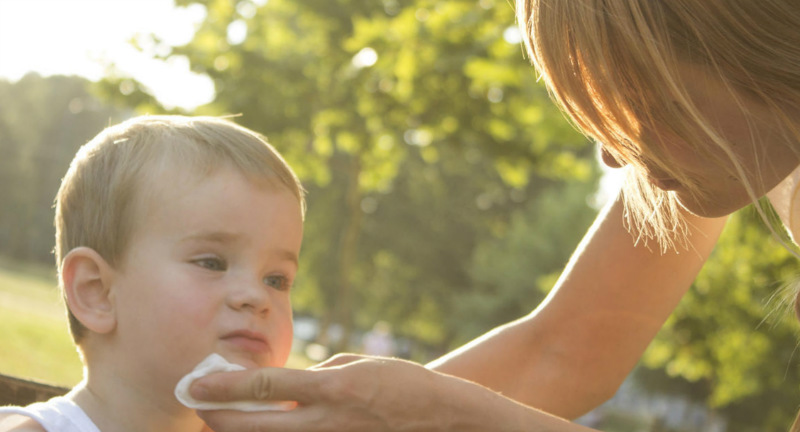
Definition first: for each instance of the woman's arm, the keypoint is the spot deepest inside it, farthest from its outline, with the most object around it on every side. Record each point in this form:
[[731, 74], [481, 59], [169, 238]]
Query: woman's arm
[[369, 395], [572, 353]]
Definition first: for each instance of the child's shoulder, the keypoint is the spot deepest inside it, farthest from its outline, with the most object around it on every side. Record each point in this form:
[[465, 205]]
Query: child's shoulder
[[19, 423]]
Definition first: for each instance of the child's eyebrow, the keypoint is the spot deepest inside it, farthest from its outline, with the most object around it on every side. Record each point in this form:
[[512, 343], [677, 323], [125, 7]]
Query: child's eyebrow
[[225, 238], [288, 255], [213, 236]]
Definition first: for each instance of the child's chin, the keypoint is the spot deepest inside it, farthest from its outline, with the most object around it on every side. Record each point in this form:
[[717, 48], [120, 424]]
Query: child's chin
[[247, 361]]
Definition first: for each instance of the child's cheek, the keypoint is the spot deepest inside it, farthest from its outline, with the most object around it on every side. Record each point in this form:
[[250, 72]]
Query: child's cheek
[[284, 338]]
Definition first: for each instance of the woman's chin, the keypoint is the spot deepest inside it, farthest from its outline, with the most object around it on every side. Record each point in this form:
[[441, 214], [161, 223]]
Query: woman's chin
[[711, 208]]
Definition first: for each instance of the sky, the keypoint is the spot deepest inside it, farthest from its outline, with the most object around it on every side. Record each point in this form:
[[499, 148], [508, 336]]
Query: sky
[[81, 37]]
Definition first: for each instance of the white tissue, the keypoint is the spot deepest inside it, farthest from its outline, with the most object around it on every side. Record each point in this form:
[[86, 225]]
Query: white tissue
[[217, 363]]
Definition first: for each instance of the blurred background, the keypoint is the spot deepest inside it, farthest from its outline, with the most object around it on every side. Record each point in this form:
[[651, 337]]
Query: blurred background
[[446, 192]]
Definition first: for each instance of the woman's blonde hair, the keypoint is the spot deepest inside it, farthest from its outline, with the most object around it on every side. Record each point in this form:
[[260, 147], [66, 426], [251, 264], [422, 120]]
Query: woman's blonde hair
[[97, 205], [613, 67]]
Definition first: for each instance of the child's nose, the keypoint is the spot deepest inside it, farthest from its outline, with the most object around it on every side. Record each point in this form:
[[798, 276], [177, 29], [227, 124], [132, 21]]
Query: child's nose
[[249, 294]]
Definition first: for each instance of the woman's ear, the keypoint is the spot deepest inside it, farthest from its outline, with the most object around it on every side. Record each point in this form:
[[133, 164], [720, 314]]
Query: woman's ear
[[86, 277]]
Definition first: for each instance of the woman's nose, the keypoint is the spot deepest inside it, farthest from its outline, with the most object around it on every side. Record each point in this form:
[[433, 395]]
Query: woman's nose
[[609, 159]]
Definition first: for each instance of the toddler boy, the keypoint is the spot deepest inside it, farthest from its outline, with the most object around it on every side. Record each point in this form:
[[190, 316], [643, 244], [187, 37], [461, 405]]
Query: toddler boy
[[176, 237]]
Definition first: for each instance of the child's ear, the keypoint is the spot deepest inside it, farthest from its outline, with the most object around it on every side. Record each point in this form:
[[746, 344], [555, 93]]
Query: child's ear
[[86, 278]]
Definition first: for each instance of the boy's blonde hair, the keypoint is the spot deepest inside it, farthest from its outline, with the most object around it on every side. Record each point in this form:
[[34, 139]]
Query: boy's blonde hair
[[613, 67], [96, 205]]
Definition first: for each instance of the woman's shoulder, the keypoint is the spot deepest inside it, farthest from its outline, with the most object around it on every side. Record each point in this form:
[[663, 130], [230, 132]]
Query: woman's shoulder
[[10, 422]]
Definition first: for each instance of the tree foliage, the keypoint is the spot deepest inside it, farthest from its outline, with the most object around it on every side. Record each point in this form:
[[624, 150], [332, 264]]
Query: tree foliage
[[43, 121], [446, 192], [412, 125], [734, 335], [436, 169]]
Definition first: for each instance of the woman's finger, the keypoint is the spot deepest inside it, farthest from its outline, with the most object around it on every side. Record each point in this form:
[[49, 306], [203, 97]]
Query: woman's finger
[[266, 384], [339, 360]]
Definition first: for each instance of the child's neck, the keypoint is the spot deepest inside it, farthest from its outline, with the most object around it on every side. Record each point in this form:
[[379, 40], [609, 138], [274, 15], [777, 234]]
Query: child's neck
[[115, 406]]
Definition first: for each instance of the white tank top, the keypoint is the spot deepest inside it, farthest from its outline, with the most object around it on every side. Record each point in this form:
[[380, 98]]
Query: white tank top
[[58, 414], [784, 198]]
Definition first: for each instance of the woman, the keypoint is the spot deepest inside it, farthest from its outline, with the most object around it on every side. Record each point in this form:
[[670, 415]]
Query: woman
[[701, 101]]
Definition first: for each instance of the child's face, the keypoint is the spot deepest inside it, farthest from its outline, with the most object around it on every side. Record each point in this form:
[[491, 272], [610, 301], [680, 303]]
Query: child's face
[[208, 269]]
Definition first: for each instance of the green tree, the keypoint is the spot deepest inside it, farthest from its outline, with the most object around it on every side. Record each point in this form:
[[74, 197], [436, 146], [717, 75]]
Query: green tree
[[734, 335], [453, 251], [352, 92], [43, 121], [436, 167], [415, 125], [512, 273]]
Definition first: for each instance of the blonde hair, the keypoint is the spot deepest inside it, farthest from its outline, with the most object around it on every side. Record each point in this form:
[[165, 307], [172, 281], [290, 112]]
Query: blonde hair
[[613, 67], [97, 201]]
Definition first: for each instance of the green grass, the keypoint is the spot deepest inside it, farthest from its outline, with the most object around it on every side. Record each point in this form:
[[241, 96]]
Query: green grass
[[34, 333], [34, 336]]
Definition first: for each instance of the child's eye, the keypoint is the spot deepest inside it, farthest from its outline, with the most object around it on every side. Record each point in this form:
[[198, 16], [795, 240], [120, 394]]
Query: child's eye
[[212, 263], [280, 283]]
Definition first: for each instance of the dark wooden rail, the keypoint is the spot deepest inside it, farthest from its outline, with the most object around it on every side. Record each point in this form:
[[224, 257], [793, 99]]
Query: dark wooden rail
[[18, 391]]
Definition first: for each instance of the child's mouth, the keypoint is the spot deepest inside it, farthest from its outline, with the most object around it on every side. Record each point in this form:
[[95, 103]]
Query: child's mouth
[[247, 340]]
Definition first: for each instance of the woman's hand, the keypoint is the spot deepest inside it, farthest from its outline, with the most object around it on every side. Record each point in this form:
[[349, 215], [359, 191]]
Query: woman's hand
[[346, 393], [354, 393]]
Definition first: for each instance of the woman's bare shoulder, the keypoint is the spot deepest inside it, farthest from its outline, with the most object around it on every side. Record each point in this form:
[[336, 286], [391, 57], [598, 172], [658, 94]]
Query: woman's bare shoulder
[[19, 423]]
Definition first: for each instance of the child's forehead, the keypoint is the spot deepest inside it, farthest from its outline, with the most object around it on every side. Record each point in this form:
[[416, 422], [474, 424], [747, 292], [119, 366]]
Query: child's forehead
[[206, 184], [183, 158], [182, 202], [171, 178]]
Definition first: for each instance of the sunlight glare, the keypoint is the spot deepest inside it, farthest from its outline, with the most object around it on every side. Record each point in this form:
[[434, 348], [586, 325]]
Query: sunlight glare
[[512, 35], [83, 37], [365, 58], [237, 32]]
